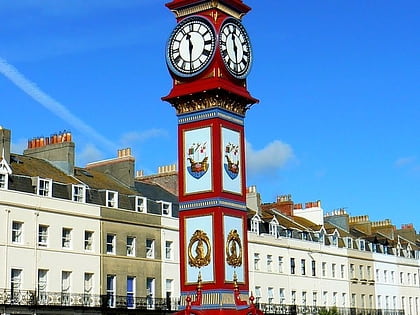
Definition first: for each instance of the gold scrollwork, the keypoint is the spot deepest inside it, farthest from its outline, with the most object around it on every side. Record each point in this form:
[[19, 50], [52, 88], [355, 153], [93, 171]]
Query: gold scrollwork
[[202, 248], [234, 249]]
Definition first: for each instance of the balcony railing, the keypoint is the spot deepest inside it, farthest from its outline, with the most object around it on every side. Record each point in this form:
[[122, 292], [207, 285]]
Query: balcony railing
[[59, 299], [283, 309]]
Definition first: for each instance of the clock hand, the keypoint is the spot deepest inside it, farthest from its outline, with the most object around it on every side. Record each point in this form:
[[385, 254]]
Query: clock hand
[[235, 48], [190, 48]]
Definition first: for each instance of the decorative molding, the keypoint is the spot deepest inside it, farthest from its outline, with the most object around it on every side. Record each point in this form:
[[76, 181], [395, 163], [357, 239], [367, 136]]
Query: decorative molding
[[209, 114], [213, 99], [208, 203], [214, 4]]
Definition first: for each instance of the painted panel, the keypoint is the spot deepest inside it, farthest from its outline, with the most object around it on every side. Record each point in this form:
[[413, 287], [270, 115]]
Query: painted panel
[[197, 160], [231, 162], [200, 251], [234, 248]]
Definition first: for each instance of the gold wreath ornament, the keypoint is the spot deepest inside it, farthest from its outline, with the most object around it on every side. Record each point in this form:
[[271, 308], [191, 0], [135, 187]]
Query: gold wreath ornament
[[202, 249], [234, 249]]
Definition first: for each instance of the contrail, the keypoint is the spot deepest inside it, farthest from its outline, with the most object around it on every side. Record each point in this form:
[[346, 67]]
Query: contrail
[[30, 88]]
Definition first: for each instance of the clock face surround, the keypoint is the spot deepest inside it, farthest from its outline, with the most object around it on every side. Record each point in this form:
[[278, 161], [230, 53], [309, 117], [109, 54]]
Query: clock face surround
[[235, 48], [191, 47]]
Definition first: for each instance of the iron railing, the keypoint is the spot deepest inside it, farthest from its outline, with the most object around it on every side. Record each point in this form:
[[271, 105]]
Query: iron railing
[[33, 298], [283, 309]]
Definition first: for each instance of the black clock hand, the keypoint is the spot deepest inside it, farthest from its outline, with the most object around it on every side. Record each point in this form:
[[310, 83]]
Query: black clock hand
[[235, 48], [190, 48]]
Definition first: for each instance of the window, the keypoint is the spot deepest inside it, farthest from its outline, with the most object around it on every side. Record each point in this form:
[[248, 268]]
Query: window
[[44, 187], [169, 286], [3, 181], [141, 204], [379, 298], [362, 301], [304, 298], [401, 278], [43, 235], [314, 298], [333, 266], [292, 266], [257, 294], [361, 245], [256, 261], [131, 246], [303, 267], [88, 283], [342, 271], [168, 250], [392, 276], [17, 228], [353, 300], [269, 263], [334, 240], [78, 192], [343, 299], [111, 199], [150, 287], [273, 228], [110, 290], [166, 208], [42, 286], [324, 297], [324, 269], [150, 248], [281, 295], [352, 271], [88, 240], [255, 225], [409, 278], [131, 287], [361, 273], [415, 279], [65, 287], [110, 243], [377, 275], [334, 298], [270, 294], [293, 297], [66, 238], [280, 264], [385, 276], [313, 268], [369, 272], [15, 285], [349, 242]]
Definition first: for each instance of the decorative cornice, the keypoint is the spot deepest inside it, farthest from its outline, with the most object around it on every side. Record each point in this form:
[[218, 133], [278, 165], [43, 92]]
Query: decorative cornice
[[214, 4], [210, 99]]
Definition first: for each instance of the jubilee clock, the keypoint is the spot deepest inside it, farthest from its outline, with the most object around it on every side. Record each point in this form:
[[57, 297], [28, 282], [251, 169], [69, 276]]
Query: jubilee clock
[[235, 48], [191, 47]]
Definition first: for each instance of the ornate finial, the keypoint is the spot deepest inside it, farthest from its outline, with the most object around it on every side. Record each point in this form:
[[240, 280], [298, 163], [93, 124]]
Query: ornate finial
[[199, 281], [235, 280]]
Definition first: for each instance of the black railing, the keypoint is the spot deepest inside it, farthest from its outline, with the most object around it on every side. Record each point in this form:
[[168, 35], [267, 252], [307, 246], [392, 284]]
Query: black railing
[[59, 299], [283, 309]]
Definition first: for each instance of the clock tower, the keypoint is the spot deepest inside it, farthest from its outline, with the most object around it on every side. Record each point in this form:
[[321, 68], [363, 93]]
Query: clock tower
[[209, 56]]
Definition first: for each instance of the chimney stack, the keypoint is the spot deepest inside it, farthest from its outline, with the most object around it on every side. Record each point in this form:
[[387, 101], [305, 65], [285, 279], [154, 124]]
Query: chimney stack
[[57, 149], [5, 136]]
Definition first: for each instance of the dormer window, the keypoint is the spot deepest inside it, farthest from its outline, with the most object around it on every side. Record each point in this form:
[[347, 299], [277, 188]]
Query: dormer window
[[289, 233], [334, 239], [349, 242], [255, 224], [44, 187], [78, 193], [5, 171], [111, 199], [141, 204], [166, 208], [273, 227], [362, 245], [321, 237]]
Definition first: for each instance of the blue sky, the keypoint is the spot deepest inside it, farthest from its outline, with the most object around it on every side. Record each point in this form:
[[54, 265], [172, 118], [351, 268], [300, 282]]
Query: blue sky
[[338, 84]]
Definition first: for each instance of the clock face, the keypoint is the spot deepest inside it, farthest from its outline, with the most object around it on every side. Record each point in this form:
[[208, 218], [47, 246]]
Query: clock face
[[191, 47], [235, 48]]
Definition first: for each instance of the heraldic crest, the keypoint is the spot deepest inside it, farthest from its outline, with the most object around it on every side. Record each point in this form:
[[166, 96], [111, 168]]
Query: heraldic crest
[[232, 160], [234, 249], [198, 159]]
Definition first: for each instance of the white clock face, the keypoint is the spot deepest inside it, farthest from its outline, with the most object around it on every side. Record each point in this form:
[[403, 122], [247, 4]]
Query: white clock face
[[191, 47], [235, 48]]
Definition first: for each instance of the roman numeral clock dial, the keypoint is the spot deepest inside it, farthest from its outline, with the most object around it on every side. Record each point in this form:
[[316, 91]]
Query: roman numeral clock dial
[[235, 48], [191, 47]]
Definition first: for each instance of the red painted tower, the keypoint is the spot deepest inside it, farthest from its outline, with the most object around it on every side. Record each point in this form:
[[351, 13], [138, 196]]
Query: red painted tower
[[209, 57]]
